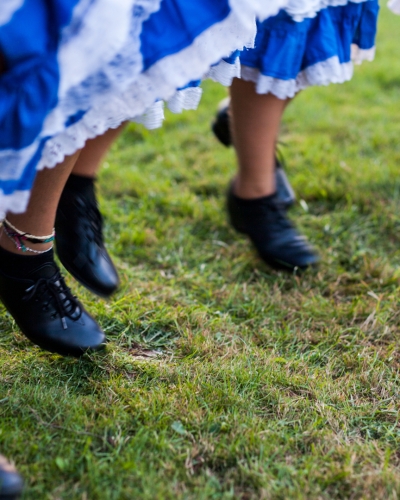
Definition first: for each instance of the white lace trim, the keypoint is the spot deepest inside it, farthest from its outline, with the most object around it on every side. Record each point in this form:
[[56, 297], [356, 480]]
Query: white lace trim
[[262, 9], [15, 202], [185, 99], [322, 73], [394, 6], [158, 82], [7, 9], [224, 72], [153, 117], [302, 9], [358, 55]]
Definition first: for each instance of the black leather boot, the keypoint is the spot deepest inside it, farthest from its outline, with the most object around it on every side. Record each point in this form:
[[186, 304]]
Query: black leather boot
[[79, 238], [266, 224], [11, 484], [221, 129], [46, 311]]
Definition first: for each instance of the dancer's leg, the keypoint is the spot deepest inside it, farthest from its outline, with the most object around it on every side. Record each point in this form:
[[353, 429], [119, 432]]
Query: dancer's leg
[[31, 286], [79, 234], [40, 216], [253, 204], [255, 126], [89, 161], [221, 127]]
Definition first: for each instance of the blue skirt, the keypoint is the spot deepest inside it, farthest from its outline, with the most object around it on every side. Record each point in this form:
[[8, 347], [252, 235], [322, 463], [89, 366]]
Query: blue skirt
[[291, 55], [72, 69]]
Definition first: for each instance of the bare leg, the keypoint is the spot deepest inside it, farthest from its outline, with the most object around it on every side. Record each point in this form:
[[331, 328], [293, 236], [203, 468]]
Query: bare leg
[[79, 225], [40, 215], [255, 126], [253, 204], [31, 286], [94, 151]]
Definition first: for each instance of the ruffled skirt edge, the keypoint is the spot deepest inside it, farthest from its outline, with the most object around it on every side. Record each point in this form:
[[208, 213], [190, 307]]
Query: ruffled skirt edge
[[320, 74]]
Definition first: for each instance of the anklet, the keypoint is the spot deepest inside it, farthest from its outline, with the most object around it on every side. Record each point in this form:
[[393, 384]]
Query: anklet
[[29, 237], [18, 237]]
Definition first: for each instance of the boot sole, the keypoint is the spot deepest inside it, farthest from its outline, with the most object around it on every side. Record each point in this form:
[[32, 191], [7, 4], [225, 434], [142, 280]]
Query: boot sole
[[277, 264], [85, 284]]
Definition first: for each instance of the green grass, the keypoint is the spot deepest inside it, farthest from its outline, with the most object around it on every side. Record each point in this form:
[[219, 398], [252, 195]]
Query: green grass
[[223, 379]]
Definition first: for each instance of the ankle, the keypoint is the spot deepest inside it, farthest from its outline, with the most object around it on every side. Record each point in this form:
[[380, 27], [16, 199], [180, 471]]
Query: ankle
[[21, 265], [249, 190]]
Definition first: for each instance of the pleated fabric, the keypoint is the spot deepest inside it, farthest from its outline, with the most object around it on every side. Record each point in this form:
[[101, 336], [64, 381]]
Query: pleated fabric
[[290, 55]]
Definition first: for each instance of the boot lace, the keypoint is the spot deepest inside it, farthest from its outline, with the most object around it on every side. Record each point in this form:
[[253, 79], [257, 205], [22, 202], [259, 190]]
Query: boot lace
[[92, 218], [55, 291]]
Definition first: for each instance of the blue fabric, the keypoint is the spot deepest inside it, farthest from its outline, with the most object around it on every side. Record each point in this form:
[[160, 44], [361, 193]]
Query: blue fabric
[[177, 24], [29, 87], [284, 47]]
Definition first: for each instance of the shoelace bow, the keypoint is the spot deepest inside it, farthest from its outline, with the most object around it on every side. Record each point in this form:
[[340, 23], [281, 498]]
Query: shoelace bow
[[66, 304]]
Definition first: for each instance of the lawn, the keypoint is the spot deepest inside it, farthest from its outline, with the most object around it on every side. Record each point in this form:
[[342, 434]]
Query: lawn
[[223, 379]]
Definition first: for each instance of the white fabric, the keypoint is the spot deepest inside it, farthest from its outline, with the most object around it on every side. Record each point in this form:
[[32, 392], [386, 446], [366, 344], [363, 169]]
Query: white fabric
[[185, 99], [394, 6], [302, 9], [360, 55], [224, 72], [262, 9], [322, 73], [16, 202], [7, 9], [153, 117]]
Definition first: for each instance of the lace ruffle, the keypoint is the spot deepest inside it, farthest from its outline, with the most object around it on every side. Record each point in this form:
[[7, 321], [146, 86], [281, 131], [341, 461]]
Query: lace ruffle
[[262, 9], [15, 202], [358, 56], [302, 9], [322, 73], [184, 100], [224, 72]]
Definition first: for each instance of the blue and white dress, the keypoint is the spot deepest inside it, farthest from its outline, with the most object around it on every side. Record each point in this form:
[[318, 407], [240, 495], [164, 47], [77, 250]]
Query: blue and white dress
[[72, 69], [309, 44]]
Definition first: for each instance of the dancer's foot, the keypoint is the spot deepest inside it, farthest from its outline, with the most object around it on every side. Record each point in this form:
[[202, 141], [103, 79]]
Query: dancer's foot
[[35, 294], [11, 484], [275, 238], [79, 238], [221, 129]]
